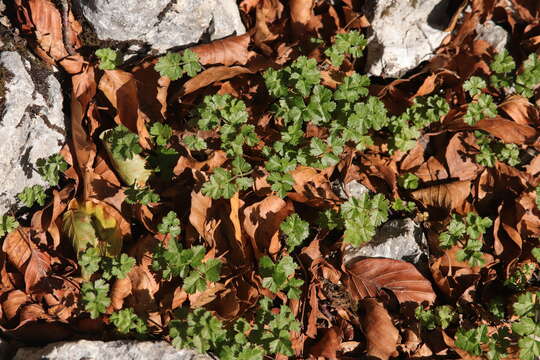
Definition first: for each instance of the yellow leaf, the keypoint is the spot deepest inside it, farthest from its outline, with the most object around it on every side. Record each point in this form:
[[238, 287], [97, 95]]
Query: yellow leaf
[[131, 171], [89, 225]]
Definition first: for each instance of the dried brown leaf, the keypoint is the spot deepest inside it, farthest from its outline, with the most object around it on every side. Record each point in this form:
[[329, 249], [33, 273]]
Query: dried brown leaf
[[381, 334], [369, 276], [228, 51], [449, 196]]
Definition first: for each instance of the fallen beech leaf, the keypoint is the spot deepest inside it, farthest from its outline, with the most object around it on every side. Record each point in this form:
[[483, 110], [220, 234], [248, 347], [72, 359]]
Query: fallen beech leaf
[[369, 276], [329, 344], [83, 90], [37, 268], [17, 246], [47, 25], [301, 13], [381, 334], [209, 76], [120, 290], [521, 110], [262, 221], [92, 225], [12, 303], [509, 131], [447, 196], [143, 290], [121, 89], [461, 163], [431, 170], [228, 51]]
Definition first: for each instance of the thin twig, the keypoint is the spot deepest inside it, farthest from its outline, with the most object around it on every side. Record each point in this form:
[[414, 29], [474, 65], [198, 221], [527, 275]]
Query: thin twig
[[66, 28]]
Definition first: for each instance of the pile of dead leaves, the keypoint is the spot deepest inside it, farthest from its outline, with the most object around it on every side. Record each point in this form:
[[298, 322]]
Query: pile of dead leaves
[[366, 308]]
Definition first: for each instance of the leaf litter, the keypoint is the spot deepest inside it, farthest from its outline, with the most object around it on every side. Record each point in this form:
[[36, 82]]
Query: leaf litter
[[175, 256]]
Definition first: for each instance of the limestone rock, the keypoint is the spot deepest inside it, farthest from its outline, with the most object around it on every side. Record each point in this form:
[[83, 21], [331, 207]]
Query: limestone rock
[[111, 350], [356, 189], [31, 123], [404, 33], [162, 23], [494, 34], [399, 239]]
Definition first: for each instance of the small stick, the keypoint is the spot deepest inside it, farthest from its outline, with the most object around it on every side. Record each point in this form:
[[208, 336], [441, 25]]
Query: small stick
[[66, 28]]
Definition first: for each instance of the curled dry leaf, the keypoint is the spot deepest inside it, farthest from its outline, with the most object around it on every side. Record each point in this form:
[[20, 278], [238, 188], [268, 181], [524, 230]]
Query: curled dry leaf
[[46, 22], [17, 246], [381, 334], [509, 131], [369, 276], [459, 160], [521, 110], [83, 148], [12, 303], [330, 343], [209, 76], [312, 187], [228, 51], [262, 221], [445, 196], [121, 89]]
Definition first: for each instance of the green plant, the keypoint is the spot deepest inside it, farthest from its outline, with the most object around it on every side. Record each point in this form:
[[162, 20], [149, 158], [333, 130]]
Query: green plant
[[349, 43], [296, 231], [269, 333], [92, 261], [470, 340], [89, 262], [95, 297], [33, 194], [536, 254], [142, 196], [280, 276], [126, 320], [170, 225], [467, 231], [187, 264], [330, 219], [401, 205], [174, 65], [224, 183], [474, 85], [118, 267], [362, 216], [409, 181], [161, 132], [441, 316], [521, 275], [528, 80], [51, 168], [527, 307], [124, 143], [195, 143], [482, 107], [502, 67], [7, 224], [109, 59]]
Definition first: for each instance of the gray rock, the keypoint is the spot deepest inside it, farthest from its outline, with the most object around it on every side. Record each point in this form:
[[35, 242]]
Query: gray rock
[[356, 189], [399, 239], [494, 34], [404, 33], [31, 124], [162, 23], [111, 350]]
